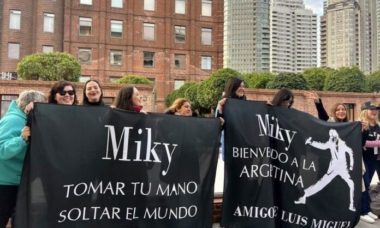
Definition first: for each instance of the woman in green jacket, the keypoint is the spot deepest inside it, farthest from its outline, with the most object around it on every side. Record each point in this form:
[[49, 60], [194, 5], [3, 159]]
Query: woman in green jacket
[[13, 145]]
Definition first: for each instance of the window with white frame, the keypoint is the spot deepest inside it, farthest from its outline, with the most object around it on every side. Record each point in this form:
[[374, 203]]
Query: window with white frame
[[149, 30], [148, 59], [48, 22], [13, 51], [116, 28], [15, 19], [206, 62], [207, 8], [180, 34], [116, 57], [5, 102], [178, 84], [206, 36], [47, 49], [150, 5], [84, 78], [85, 26], [117, 3], [85, 2], [179, 61], [180, 6], [84, 55]]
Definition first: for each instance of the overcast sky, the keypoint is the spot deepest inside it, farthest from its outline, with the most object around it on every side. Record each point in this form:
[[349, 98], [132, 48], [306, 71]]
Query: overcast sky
[[315, 5]]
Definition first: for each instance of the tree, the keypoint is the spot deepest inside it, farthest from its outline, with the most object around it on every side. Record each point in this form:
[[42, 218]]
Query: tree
[[345, 79], [372, 82], [258, 80], [316, 76], [210, 90], [49, 67], [180, 93], [134, 79], [288, 80]]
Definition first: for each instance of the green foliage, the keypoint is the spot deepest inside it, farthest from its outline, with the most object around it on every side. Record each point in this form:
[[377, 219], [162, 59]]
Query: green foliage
[[288, 80], [210, 90], [315, 77], [258, 80], [49, 67], [345, 79], [134, 79], [178, 93], [372, 82]]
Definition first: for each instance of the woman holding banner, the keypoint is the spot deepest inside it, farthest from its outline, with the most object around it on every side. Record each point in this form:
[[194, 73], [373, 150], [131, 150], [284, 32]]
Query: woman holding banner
[[63, 92], [13, 145], [338, 112], [283, 98], [369, 117], [180, 107], [129, 99], [92, 93]]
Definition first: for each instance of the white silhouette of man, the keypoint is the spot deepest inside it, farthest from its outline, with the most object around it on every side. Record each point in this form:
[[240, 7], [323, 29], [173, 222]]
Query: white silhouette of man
[[337, 167]]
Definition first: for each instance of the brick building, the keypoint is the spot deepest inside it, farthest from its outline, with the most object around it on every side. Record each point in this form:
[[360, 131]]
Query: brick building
[[168, 41]]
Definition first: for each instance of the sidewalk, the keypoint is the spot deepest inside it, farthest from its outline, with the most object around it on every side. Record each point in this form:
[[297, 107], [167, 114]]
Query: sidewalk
[[367, 225]]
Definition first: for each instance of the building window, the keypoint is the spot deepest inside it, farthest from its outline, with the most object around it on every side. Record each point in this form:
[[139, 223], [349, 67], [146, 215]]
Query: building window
[[47, 49], [150, 5], [86, 2], [116, 28], [180, 6], [116, 57], [5, 102], [206, 36], [117, 3], [179, 61], [48, 22], [206, 8], [13, 51], [84, 55], [84, 78], [15, 19], [148, 31], [148, 59], [114, 78], [180, 34], [85, 26], [178, 84], [206, 62]]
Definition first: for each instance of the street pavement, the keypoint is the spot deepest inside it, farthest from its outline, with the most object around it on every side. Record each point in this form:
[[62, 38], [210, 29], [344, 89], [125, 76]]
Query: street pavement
[[367, 225]]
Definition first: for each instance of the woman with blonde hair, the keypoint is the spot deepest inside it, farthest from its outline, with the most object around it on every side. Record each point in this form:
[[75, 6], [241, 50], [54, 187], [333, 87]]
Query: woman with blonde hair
[[371, 132], [181, 107]]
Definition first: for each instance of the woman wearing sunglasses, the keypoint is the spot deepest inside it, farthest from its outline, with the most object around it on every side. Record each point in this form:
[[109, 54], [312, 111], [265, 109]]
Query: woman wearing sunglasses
[[63, 92], [283, 98]]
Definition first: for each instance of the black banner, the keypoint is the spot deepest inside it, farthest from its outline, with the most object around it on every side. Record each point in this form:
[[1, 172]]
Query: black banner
[[285, 168], [98, 167]]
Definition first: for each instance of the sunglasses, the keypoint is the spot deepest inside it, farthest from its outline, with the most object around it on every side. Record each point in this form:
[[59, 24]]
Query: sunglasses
[[63, 92]]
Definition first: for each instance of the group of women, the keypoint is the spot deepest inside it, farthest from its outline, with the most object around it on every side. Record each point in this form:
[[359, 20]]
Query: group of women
[[14, 134]]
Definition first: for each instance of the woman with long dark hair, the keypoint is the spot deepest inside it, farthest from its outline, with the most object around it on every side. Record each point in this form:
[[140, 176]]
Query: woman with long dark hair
[[129, 99], [92, 93]]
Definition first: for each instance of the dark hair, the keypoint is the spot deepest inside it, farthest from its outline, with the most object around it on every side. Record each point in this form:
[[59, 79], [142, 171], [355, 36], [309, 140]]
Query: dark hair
[[124, 98], [333, 111], [58, 87], [230, 89], [85, 100], [281, 96]]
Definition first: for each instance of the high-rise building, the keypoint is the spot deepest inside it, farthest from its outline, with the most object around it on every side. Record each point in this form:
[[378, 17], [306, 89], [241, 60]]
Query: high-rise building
[[246, 35], [323, 38], [351, 34], [293, 36], [169, 42]]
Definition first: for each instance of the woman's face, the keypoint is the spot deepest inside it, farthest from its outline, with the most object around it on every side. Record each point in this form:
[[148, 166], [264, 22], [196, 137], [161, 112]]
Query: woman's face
[[240, 91], [185, 110], [372, 115], [65, 96], [340, 112], [136, 97], [93, 92]]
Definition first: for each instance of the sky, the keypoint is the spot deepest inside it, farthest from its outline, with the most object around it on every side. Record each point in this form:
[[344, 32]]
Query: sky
[[315, 5]]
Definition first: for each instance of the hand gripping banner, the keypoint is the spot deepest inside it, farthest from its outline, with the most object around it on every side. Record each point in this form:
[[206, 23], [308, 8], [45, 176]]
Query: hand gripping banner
[[286, 168], [94, 167]]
